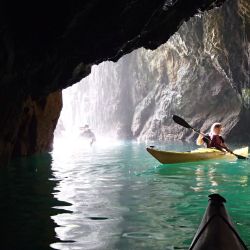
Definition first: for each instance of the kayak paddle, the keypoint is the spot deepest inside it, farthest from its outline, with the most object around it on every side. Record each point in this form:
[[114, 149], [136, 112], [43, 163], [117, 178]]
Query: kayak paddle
[[183, 123]]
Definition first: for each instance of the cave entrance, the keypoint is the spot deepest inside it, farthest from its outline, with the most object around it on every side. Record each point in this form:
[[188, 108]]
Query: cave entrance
[[195, 74], [90, 107]]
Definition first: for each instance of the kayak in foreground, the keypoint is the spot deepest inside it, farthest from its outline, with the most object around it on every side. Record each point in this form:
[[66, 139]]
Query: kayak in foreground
[[200, 154], [216, 230]]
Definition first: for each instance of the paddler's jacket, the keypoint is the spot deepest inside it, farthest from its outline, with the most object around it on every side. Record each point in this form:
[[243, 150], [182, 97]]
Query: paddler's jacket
[[213, 141]]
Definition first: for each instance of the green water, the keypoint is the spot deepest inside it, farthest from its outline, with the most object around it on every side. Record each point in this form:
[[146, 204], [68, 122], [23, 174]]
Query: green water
[[115, 196]]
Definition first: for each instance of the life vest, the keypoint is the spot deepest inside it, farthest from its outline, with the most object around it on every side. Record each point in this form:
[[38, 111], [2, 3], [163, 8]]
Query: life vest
[[216, 141]]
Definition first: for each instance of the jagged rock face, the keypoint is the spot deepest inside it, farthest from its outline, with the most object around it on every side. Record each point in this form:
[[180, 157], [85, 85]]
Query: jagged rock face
[[207, 65], [38, 121], [29, 125], [45, 48], [48, 47], [201, 73]]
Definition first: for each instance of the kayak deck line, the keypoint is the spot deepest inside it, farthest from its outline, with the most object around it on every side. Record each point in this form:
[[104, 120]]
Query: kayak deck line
[[216, 230], [200, 154]]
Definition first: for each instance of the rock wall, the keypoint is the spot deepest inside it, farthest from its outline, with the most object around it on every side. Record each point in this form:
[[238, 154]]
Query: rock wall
[[201, 73], [47, 47], [38, 121], [28, 125]]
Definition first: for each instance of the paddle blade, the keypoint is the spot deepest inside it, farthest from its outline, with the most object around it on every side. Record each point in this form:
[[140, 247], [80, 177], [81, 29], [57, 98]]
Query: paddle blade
[[241, 157], [181, 121]]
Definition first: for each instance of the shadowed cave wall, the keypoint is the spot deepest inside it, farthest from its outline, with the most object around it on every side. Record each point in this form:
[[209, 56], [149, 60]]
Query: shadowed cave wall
[[45, 48]]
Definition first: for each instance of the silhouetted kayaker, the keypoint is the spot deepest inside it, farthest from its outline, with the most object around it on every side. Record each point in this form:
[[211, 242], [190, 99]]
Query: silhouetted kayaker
[[87, 133]]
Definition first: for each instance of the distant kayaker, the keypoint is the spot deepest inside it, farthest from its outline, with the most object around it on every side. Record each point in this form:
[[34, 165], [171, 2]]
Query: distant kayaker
[[214, 139], [88, 133]]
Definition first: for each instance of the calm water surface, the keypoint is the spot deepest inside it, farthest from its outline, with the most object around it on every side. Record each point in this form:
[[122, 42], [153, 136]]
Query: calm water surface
[[114, 195]]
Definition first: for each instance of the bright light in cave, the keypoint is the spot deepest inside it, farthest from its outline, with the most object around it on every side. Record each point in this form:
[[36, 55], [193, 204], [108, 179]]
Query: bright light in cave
[[83, 121]]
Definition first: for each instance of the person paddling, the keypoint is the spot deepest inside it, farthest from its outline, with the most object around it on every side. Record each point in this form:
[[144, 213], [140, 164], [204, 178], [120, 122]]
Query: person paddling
[[219, 144], [217, 140], [214, 139]]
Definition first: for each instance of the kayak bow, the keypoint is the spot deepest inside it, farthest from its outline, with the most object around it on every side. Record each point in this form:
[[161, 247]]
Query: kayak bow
[[200, 154], [216, 230]]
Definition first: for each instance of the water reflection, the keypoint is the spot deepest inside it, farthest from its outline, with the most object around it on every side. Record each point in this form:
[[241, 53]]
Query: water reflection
[[114, 196], [26, 189], [219, 174], [91, 180], [204, 175]]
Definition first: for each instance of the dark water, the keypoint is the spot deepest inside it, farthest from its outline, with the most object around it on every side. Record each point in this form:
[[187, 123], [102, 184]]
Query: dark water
[[114, 196]]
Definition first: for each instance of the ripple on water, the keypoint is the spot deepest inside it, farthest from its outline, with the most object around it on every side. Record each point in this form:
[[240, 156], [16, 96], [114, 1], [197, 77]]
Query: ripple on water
[[122, 199]]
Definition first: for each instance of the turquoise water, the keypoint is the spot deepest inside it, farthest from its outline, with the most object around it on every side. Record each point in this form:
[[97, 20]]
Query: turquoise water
[[114, 195]]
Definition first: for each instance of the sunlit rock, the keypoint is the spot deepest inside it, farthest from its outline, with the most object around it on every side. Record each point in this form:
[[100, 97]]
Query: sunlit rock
[[201, 73]]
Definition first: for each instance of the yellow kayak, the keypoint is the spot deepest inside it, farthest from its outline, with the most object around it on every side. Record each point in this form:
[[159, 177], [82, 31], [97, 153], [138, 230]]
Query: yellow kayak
[[200, 154]]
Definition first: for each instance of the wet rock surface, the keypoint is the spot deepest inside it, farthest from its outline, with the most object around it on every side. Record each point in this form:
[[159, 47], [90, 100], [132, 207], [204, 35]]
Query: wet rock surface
[[202, 74], [47, 47], [38, 121], [28, 124]]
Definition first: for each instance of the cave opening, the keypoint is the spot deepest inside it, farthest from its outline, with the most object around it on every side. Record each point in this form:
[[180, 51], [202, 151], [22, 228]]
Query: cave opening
[[108, 184], [201, 73]]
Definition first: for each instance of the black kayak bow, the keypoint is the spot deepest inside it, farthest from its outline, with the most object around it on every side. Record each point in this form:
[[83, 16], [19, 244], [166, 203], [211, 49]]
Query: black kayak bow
[[183, 123], [216, 230]]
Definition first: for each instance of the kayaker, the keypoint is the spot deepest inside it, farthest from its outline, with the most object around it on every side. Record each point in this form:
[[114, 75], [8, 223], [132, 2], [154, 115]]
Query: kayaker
[[214, 139], [217, 140], [88, 133]]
